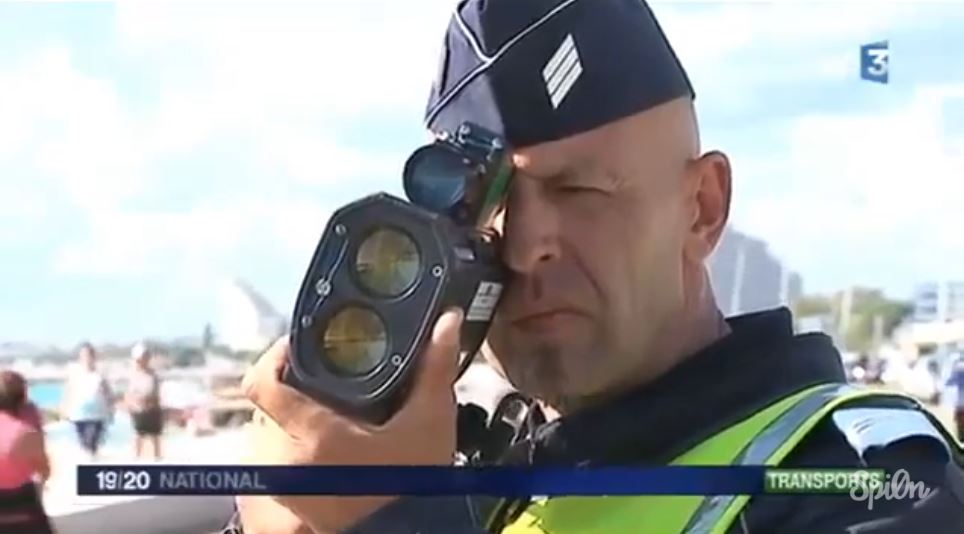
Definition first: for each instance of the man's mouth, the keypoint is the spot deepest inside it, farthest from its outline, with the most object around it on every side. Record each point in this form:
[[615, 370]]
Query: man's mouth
[[546, 321]]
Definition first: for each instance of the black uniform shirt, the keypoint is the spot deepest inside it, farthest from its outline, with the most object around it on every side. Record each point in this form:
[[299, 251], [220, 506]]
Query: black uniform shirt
[[759, 362]]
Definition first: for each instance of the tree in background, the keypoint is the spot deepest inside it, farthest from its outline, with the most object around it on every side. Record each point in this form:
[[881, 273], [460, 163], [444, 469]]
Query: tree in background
[[207, 338], [863, 316], [182, 356], [809, 305]]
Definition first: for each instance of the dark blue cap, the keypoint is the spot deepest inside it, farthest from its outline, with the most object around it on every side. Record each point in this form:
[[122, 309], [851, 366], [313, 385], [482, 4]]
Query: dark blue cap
[[539, 70]]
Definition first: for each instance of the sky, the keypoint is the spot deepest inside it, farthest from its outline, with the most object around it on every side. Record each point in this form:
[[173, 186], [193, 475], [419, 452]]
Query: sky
[[149, 151]]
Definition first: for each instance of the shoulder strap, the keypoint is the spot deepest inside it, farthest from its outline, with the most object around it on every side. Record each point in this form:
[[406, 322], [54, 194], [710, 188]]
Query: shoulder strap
[[777, 441], [867, 428]]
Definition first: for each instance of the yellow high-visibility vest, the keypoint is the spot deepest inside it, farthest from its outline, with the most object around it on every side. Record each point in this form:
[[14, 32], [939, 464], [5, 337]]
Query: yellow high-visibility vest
[[764, 438]]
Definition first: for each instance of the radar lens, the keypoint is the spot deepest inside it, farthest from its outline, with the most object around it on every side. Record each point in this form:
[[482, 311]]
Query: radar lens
[[355, 341], [387, 262]]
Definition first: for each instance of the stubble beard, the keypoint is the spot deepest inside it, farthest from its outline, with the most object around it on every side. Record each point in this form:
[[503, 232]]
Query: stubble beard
[[545, 372]]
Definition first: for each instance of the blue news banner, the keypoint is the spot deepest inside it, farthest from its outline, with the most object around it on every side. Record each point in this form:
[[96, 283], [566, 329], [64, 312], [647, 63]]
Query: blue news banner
[[414, 480]]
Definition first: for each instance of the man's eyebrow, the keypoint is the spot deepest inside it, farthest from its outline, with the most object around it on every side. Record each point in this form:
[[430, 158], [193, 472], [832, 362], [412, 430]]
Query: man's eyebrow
[[594, 174], [540, 178], [579, 170]]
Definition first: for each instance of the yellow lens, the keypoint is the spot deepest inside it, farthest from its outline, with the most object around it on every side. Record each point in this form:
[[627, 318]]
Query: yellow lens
[[355, 341], [387, 262]]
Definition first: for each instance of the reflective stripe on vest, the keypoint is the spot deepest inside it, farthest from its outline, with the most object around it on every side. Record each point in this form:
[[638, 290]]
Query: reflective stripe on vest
[[764, 438]]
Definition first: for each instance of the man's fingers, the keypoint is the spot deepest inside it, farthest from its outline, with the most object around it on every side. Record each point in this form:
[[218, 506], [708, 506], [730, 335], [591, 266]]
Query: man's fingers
[[266, 368], [435, 377], [262, 383], [440, 360], [265, 515], [438, 365], [267, 443], [263, 386]]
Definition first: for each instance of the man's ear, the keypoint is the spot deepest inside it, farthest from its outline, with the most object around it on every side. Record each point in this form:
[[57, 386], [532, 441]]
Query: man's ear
[[709, 202]]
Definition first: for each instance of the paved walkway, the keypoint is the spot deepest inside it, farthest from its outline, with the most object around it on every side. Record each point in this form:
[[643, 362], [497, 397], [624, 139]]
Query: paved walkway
[[60, 495]]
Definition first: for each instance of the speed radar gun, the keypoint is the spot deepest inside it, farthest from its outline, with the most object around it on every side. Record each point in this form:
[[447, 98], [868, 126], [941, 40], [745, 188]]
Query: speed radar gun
[[385, 269]]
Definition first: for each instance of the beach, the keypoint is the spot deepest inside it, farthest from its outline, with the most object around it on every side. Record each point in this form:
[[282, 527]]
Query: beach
[[73, 514], [178, 447]]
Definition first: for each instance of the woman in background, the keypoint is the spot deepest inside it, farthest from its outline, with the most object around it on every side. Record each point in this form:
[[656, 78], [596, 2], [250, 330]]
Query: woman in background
[[143, 400], [88, 401], [30, 414], [24, 465]]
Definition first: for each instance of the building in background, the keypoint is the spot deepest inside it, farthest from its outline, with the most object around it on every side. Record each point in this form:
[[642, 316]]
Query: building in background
[[747, 277], [939, 302], [247, 321], [937, 324], [812, 324]]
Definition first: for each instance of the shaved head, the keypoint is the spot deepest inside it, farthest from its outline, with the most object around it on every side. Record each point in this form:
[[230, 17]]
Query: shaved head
[[607, 233]]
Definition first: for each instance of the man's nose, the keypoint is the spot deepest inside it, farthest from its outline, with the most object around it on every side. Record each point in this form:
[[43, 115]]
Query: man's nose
[[530, 232]]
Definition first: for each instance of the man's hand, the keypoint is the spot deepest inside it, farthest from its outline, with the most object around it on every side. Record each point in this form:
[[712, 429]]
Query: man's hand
[[291, 429]]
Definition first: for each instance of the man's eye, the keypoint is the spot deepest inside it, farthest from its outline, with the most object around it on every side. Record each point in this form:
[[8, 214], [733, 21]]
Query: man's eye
[[575, 188]]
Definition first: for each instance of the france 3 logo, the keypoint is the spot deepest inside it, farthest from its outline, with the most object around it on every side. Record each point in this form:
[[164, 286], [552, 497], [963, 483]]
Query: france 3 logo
[[875, 62]]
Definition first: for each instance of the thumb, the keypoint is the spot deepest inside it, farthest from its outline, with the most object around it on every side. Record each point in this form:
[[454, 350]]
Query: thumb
[[438, 365]]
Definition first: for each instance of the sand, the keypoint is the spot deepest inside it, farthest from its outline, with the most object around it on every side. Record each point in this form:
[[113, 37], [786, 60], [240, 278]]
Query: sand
[[60, 493], [73, 514], [481, 385]]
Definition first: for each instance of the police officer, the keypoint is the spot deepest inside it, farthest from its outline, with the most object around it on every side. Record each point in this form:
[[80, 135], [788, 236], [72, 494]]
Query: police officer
[[609, 319]]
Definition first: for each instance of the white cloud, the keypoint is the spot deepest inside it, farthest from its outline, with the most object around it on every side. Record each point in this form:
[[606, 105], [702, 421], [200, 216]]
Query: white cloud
[[871, 185], [298, 225], [846, 192], [278, 74], [284, 75], [191, 251], [732, 49], [291, 75], [138, 243], [707, 37], [69, 127], [283, 62], [318, 159]]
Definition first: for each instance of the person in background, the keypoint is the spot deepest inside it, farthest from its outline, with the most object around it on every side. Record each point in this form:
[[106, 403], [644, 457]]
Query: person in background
[[608, 319], [24, 465], [88, 401], [29, 413], [958, 374], [952, 395], [857, 371], [143, 401]]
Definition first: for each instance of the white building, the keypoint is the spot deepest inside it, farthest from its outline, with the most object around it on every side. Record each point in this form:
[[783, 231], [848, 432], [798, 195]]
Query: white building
[[939, 302], [247, 321], [747, 277]]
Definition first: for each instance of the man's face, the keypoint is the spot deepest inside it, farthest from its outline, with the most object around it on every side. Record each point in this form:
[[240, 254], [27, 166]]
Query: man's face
[[596, 229], [86, 357]]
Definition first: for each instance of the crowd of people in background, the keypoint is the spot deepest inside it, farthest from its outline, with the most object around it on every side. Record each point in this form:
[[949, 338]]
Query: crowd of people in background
[[937, 382], [952, 394], [89, 404]]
